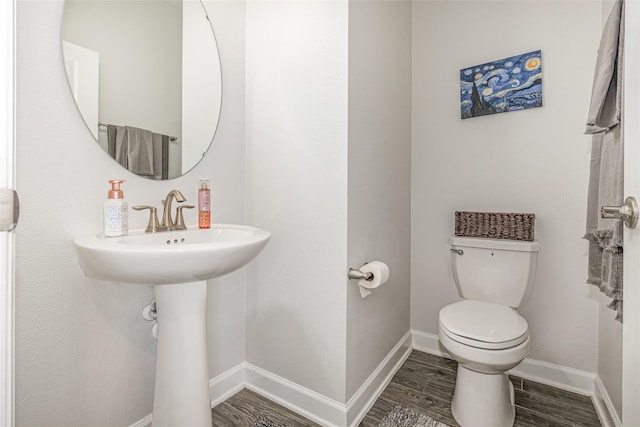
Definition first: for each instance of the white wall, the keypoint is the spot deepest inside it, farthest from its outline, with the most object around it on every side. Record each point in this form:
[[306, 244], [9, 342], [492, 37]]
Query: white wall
[[527, 161], [379, 179], [296, 187], [84, 355]]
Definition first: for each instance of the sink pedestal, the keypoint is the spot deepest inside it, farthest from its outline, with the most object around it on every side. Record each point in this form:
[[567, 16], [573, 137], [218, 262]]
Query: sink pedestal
[[170, 261], [181, 394]]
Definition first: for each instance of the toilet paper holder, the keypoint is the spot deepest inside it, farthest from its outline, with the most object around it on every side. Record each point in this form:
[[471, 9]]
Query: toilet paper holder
[[355, 274]]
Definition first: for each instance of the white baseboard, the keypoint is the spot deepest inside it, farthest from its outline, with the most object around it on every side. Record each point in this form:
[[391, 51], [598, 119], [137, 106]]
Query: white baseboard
[[306, 402], [221, 388], [607, 413], [428, 343], [319, 408], [227, 384], [331, 413], [145, 422], [558, 376], [367, 394], [562, 377]]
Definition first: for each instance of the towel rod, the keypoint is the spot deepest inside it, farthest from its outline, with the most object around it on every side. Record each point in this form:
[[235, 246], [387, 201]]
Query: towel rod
[[171, 138]]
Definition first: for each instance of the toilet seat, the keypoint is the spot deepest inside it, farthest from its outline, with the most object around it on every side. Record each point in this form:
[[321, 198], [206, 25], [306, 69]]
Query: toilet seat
[[483, 324], [482, 344]]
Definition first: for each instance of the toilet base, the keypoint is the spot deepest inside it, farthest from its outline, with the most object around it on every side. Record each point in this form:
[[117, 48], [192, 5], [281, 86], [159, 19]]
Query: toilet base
[[483, 400]]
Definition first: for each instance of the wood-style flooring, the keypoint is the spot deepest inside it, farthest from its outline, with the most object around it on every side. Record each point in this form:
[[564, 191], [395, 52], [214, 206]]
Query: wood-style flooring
[[425, 384], [246, 407]]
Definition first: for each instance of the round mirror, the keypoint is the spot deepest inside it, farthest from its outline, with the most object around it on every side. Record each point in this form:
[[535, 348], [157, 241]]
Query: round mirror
[[146, 77]]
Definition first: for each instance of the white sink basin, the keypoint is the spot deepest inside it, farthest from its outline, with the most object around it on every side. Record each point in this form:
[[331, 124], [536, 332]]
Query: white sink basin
[[170, 257], [177, 264]]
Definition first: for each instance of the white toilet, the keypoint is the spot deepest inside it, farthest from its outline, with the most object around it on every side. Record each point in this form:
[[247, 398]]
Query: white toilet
[[484, 333]]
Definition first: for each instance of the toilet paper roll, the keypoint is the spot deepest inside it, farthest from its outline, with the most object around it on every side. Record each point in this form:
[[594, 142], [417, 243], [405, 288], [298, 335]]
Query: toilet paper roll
[[380, 272]]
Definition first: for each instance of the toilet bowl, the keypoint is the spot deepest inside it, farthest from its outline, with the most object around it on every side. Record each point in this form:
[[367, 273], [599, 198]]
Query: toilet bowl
[[484, 332], [486, 339]]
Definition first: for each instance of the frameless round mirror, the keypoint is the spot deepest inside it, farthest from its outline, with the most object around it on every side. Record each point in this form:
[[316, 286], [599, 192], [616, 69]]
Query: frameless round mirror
[[146, 77]]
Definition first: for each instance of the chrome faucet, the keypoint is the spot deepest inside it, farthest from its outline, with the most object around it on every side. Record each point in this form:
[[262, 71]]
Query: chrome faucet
[[167, 223]]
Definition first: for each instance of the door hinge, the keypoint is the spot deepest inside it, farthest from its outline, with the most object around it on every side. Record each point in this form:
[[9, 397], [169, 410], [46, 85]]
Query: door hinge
[[9, 209]]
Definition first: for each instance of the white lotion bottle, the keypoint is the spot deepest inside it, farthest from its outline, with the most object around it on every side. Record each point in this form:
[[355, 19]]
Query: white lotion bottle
[[116, 211]]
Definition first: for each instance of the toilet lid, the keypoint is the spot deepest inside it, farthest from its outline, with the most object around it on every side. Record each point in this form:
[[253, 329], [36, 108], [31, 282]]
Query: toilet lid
[[495, 325]]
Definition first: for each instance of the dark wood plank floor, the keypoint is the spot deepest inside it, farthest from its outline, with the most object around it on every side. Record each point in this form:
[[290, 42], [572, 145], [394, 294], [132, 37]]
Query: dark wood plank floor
[[425, 384], [246, 408]]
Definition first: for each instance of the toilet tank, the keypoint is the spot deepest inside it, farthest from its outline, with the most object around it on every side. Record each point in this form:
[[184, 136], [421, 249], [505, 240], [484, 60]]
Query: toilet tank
[[499, 271]]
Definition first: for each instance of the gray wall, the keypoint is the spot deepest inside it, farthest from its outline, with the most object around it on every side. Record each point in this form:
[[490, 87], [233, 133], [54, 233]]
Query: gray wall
[[379, 185], [328, 155], [535, 160], [297, 55]]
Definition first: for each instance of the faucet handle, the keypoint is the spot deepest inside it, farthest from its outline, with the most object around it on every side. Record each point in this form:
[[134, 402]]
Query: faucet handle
[[152, 227], [179, 225]]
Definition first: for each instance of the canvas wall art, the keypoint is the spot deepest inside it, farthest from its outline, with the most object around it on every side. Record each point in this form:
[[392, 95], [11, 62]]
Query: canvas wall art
[[508, 84]]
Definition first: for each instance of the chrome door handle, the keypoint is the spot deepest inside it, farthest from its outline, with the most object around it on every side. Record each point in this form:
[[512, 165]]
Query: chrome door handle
[[627, 212], [457, 251]]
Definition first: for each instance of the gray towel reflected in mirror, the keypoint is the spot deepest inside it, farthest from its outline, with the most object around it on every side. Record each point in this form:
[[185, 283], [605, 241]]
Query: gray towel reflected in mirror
[[141, 151]]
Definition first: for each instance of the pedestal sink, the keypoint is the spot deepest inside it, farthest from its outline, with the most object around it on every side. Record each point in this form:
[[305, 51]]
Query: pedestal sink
[[177, 265]]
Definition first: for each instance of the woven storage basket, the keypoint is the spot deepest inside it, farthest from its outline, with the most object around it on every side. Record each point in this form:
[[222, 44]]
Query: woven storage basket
[[492, 225]]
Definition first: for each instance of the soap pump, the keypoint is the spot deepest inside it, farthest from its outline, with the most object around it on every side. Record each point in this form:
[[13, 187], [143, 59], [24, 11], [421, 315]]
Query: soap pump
[[116, 214]]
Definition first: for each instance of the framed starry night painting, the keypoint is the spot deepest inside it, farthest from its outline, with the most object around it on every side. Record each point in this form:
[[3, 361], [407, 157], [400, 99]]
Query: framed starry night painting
[[508, 84]]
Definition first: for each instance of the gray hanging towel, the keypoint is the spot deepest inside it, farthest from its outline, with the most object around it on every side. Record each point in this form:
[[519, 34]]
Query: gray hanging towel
[[116, 141], [165, 156], [161, 156], [141, 151], [606, 178]]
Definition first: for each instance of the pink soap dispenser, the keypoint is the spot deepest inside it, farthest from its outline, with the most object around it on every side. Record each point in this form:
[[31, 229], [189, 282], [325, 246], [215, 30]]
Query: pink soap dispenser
[[116, 213]]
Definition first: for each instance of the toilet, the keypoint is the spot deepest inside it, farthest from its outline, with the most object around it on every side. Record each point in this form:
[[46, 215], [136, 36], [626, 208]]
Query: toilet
[[484, 333]]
